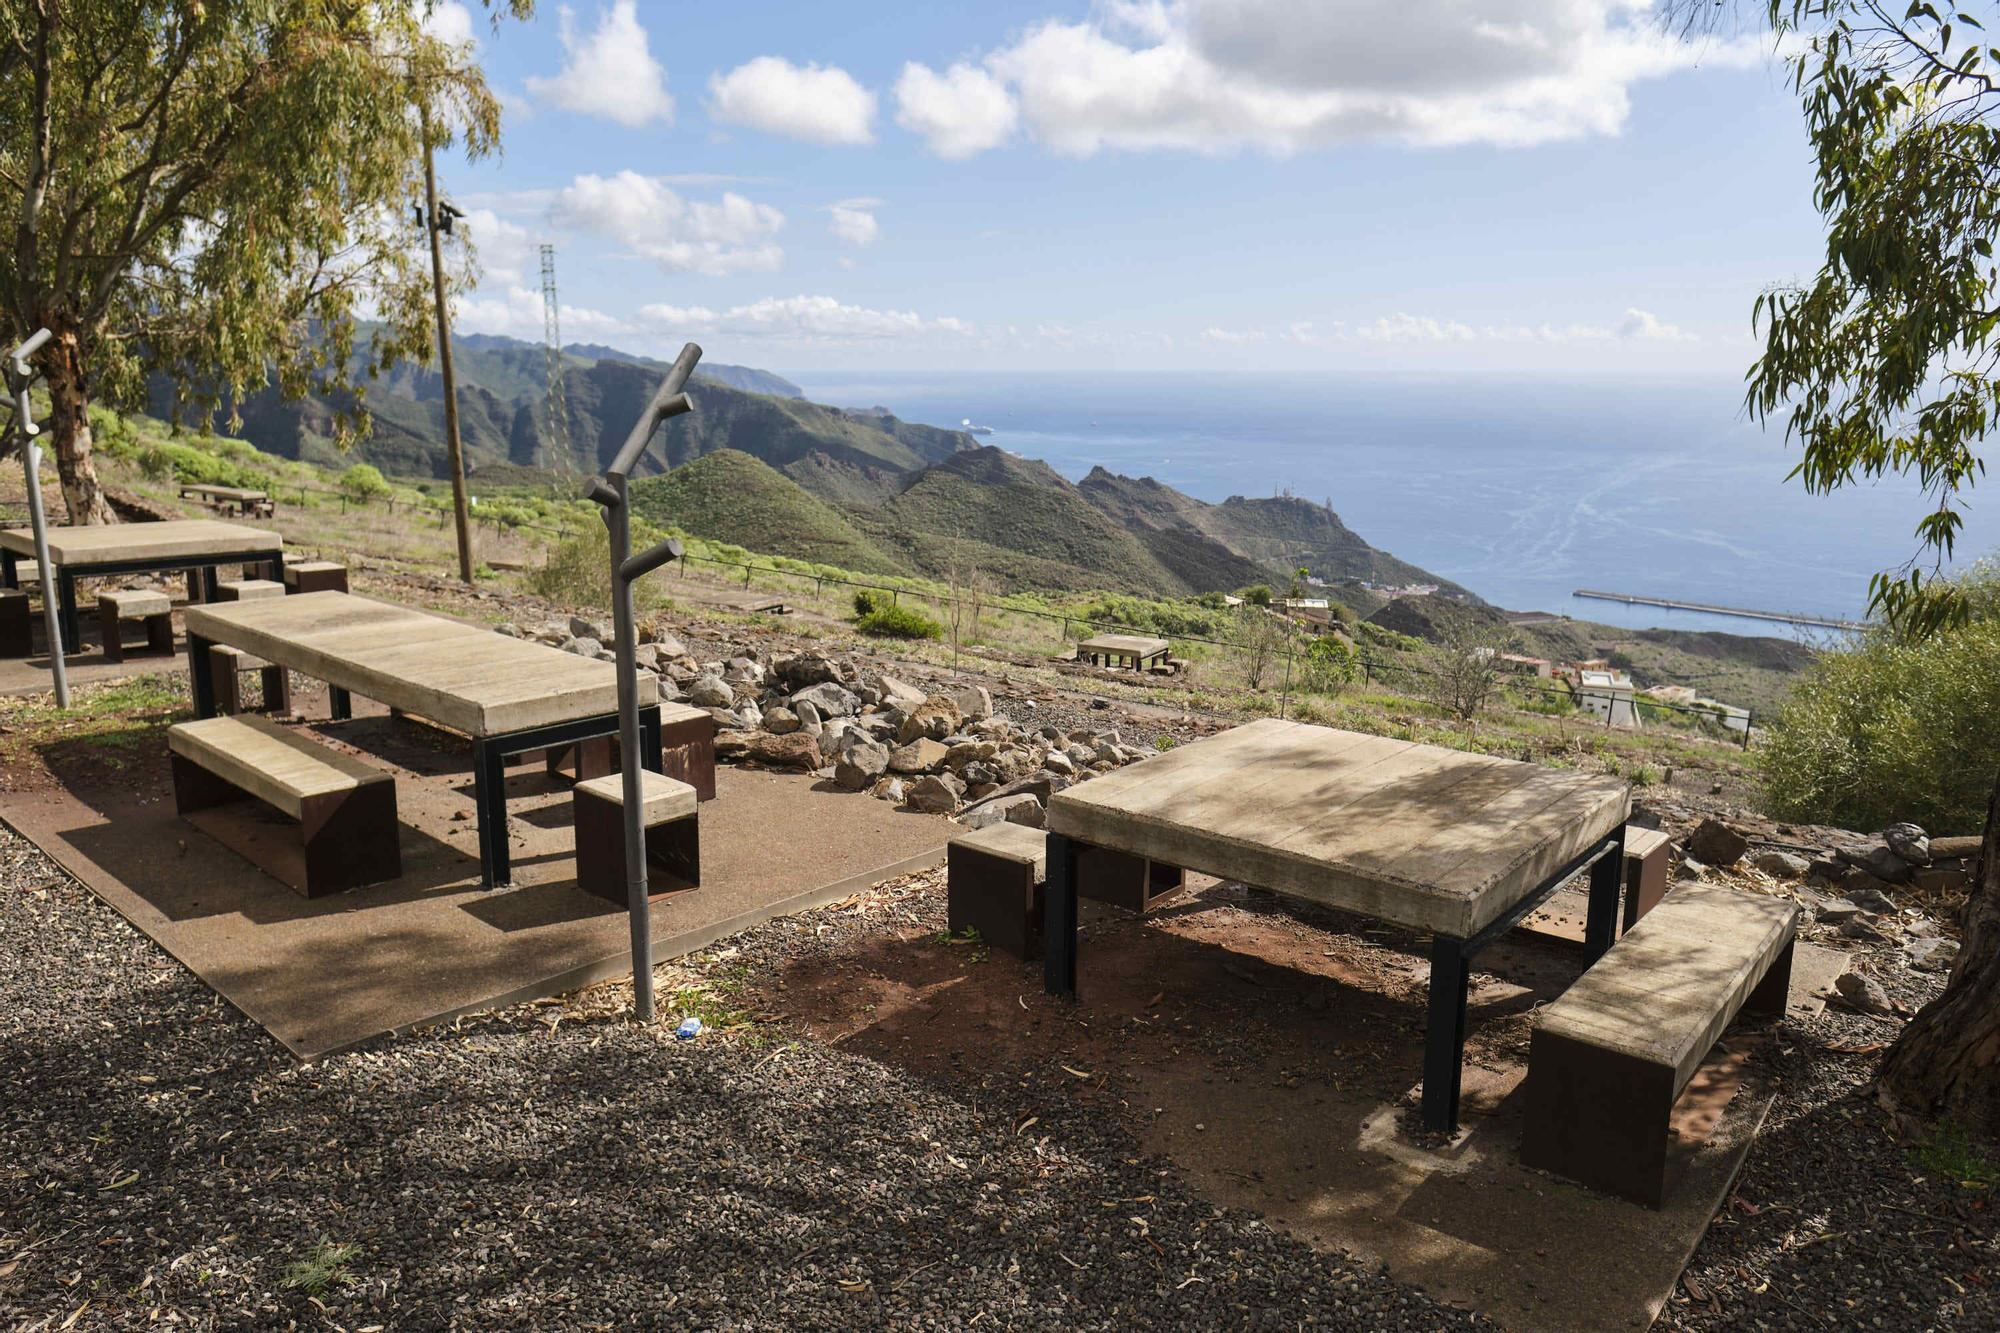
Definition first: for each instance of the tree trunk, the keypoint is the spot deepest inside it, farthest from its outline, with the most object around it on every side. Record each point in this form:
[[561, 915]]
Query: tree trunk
[[62, 362], [1947, 1062]]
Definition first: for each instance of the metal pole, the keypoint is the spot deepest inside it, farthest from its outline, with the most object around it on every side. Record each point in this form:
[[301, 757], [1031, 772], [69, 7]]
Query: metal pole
[[618, 518], [20, 375], [453, 454]]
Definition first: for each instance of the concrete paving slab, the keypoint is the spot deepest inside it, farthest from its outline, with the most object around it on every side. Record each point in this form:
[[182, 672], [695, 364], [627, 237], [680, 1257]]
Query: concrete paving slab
[[327, 974]]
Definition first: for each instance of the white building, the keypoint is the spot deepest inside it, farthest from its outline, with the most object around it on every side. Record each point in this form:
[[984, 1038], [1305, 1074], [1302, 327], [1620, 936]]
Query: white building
[[1606, 695]]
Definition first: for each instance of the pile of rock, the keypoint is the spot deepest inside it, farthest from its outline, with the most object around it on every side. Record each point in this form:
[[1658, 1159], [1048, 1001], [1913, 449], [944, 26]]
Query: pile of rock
[[1847, 883], [942, 751]]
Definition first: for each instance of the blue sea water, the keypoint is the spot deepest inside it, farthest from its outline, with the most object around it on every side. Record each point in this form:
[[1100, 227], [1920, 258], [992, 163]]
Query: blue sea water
[[1522, 489]]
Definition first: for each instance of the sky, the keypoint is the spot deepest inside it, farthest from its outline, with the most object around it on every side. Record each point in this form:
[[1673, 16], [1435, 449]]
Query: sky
[[1517, 186]]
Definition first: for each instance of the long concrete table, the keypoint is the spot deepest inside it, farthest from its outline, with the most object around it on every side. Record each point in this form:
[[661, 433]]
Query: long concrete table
[[1461, 846], [509, 695], [197, 545]]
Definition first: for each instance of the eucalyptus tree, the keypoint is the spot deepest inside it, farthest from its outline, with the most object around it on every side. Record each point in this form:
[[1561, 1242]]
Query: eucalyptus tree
[[218, 190], [1885, 365]]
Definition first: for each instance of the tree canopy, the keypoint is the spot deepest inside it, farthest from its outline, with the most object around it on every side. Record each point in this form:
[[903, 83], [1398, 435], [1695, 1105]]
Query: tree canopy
[[218, 189]]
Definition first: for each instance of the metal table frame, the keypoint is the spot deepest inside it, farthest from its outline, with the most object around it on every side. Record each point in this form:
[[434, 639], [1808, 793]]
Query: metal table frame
[[1451, 957], [201, 578], [489, 754]]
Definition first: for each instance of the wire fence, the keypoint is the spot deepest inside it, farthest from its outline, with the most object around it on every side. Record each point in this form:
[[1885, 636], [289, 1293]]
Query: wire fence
[[1374, 670]]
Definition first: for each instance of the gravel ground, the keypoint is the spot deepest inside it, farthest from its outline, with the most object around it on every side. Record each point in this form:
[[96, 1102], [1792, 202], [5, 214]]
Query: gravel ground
[[1834, 1224], [162, 1160]]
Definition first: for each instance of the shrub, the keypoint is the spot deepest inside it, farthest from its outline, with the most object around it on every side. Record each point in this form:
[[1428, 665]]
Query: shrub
[[1329, 666], [1892, 729], [867, 602], [899, 622], [1256, 594], [172, 460], [578, 571], [364, 481]]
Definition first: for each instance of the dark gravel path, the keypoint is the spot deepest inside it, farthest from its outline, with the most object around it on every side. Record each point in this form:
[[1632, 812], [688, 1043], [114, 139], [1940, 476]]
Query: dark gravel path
[[162, 1160], [1834, 1224]]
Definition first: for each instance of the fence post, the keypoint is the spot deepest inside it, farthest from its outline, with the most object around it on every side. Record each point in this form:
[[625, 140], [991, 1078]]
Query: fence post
[[1749, 717], [1285, 695]]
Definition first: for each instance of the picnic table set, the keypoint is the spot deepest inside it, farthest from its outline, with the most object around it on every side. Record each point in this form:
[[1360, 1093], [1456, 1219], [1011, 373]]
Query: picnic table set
[[1458, 846]]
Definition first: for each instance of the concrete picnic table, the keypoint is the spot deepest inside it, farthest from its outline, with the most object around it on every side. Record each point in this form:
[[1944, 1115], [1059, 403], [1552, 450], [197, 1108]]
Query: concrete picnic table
[[509, 695], [197, 545], [1462, 846], [1115, 648], [244, 498]]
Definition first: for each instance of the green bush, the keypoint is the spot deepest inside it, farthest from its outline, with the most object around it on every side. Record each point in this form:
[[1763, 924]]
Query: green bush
[[1330, 665], [364, 481], [172, 460], [899, 622], [1893, 729], [578, 571], [867, 602]]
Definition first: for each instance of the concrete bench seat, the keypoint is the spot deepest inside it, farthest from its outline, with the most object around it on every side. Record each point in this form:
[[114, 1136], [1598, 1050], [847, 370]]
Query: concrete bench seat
[[315, 576], [230, 665], [673, 833], [344, 809], [247, 590], [994, 879], [153, 609], [1611, 1057]]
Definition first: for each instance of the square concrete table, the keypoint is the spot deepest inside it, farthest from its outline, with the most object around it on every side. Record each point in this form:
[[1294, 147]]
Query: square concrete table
[[509, 695], [197, 545], [1458, 845], [1117, 649]]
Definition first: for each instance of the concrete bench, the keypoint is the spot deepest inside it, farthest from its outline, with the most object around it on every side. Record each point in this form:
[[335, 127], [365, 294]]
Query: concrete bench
[[1612, 1056], [17, 624], [673, 833], [154, 609], [315, 576], [1647, 871], [994, 879], [227, 668], [343, 811], [248, 590]]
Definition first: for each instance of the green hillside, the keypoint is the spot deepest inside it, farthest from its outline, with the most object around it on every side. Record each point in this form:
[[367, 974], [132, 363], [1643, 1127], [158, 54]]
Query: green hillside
[[731, 497]]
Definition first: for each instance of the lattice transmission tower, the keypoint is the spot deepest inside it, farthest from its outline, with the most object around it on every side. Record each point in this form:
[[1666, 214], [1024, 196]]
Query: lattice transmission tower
[[556, 410]]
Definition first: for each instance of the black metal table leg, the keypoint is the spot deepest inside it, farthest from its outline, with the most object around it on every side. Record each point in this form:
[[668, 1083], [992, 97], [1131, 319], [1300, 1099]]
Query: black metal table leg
[[652, 740], [1444, 1035], [194, 585], [66, 591], [210, 578], [489, 798], [1059, 918], [1607, 881], [201, 676], [339, 704]]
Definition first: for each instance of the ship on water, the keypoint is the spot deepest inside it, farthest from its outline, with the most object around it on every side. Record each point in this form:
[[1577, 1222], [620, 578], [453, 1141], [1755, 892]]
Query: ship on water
[[965, 424]]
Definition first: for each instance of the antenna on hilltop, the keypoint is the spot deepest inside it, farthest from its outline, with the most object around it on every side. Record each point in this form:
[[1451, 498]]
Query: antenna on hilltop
[[556, 410]]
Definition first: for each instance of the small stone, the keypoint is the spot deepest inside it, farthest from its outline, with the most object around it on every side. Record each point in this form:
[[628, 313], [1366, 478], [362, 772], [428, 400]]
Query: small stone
[[830, 699], [586, 629], [510, 629], [1909, 842], [583, 647], [1691, 869], [975, 704], [1872, 900], [1863, 994], [1836, 910], [780, 720], [936, 794], [888, 789], [1003, 809], [1931, 955], [919, 756], [936, 717], [862, 763], [1715, 843], [796, 751], [1880, 862], [1058, 762], [1781, 865], [898, 693], [711, 692]]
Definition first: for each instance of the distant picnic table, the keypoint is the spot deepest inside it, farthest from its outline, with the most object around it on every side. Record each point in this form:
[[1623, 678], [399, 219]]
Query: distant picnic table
[[246, 500], [197, 545], [1122, 650], [510, 696], [1462, 846]]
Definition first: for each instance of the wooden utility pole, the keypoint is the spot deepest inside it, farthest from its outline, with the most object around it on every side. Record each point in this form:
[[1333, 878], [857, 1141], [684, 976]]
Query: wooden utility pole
[[460, 512]]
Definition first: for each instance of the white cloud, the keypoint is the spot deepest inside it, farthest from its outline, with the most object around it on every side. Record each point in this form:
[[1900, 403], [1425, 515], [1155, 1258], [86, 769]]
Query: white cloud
[[609, 73], [817, 103], [728, 235], [504, 248], [1646, 326], [1282, 76], [1216, 335], [516, 311], [451, 23], [803, 319], [852, 221], [963, 111]]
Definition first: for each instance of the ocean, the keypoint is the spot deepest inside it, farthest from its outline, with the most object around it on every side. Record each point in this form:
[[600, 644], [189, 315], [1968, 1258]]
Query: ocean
[[1521, 489]]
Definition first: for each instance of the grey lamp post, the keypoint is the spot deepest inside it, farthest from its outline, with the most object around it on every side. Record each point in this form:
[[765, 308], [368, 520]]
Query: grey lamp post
[[19, 376], [609, 491]]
